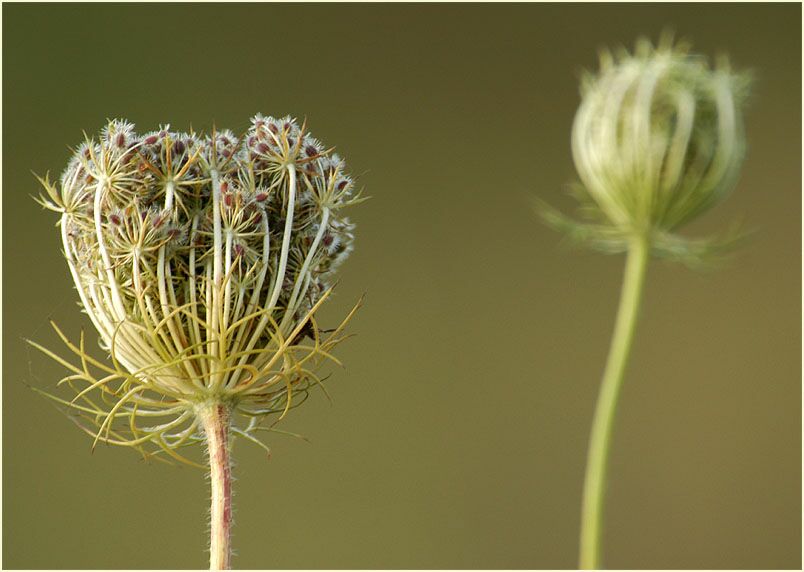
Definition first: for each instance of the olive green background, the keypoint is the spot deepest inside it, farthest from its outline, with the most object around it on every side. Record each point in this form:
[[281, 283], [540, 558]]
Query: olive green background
[[458, 433]]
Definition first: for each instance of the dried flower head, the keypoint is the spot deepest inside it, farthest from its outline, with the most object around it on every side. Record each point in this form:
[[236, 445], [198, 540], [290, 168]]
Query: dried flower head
[[657, 140], [201, 262]]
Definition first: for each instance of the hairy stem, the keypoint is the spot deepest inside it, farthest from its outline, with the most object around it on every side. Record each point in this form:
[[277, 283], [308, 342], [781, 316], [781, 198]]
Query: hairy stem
[[216, 422], [595, 480]]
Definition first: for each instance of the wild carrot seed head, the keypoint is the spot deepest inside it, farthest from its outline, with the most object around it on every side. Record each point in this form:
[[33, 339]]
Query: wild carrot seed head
[[658, 137], [657, 140], [201, 261]]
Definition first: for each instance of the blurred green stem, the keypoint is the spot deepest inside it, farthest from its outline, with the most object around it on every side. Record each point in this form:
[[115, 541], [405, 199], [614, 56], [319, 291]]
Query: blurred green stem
[[215, 419], [595, 480]]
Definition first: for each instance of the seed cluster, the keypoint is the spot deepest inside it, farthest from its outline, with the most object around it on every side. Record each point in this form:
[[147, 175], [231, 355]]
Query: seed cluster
[[202, 259]]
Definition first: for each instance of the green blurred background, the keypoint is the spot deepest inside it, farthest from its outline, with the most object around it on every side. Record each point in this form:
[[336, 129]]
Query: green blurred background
[[458, 432]]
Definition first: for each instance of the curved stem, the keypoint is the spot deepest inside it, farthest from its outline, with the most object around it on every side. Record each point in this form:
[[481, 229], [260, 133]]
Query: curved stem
[[595, 480], [291, 309], [217, 347], [215, 420], [283, 258]]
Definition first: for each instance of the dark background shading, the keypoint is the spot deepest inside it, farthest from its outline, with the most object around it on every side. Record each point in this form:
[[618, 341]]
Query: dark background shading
[[458, 432]]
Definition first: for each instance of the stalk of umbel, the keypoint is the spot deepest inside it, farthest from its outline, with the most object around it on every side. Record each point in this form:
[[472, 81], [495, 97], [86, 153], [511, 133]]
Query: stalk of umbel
[[657, 140], [201, 261]]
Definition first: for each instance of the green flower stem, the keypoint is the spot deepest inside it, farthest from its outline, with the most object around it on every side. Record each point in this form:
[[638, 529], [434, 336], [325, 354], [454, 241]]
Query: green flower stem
[[595, 480], [216, 422]]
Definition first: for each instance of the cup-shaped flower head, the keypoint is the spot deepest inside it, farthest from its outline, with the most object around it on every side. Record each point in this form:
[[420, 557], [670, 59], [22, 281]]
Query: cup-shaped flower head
[[658, 137], [201, 261]]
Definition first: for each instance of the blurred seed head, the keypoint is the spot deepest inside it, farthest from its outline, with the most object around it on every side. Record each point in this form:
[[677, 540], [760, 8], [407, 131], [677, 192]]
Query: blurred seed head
[[657, 140], [658, 137]]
